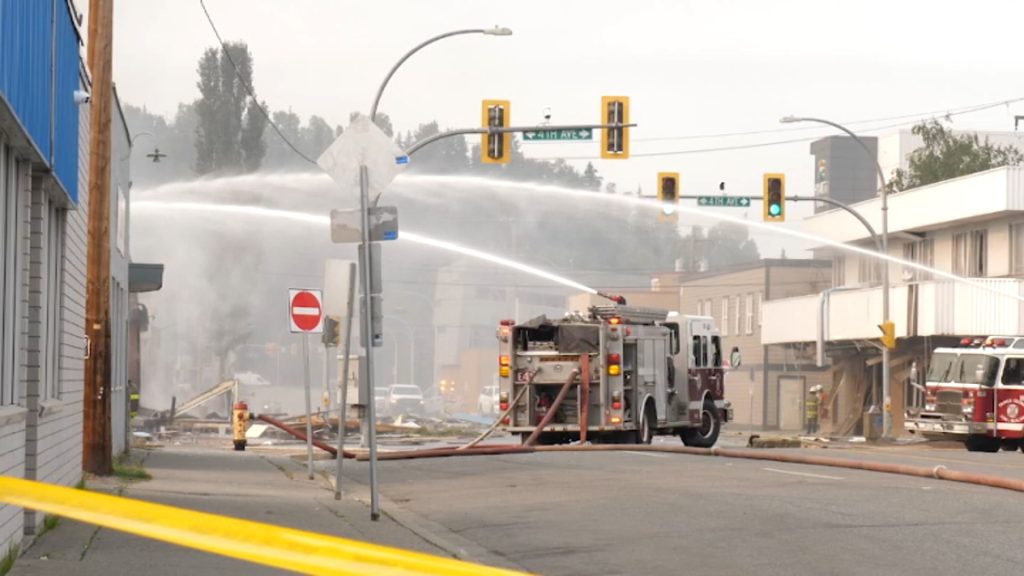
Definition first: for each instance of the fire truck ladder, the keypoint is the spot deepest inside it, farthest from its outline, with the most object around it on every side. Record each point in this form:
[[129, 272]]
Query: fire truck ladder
[[630, 314]]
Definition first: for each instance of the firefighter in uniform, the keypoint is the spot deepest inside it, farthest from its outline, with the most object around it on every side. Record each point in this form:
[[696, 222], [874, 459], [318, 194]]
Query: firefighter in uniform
[[812, 407]]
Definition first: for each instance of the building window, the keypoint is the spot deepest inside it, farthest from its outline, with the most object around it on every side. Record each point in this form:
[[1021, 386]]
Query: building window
[[919, 252], [1017, 248], [869, 271], [736, 318], [760, 308], [839, 271], [54, 318], [970, 251], [725, 316], [749, 318], [9, 194]]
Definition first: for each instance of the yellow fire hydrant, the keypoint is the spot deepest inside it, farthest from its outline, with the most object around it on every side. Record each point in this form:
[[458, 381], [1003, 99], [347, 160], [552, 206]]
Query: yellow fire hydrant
[[239, 416]]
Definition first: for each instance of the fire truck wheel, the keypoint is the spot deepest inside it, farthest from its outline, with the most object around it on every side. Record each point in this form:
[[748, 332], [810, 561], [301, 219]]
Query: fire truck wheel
[[645, 433], [979, 443], [707, 434]]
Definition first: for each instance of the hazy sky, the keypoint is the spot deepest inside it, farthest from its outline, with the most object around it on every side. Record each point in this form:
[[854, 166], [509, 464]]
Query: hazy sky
[[690, 68]]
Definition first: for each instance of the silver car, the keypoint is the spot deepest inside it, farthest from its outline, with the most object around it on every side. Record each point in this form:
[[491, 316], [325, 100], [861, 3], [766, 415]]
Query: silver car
[[405, 399]]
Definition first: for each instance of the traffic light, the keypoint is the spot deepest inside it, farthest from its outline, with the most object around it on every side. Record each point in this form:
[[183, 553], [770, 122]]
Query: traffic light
[[775, 197], [668, 191], [888, 329], [496, 148], [615, 141], [332, 331]]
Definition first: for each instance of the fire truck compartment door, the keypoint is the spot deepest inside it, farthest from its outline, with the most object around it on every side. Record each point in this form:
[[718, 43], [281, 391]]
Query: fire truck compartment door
[[579, 339]]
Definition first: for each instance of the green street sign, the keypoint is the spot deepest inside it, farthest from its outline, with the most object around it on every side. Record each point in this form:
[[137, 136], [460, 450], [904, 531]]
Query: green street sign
[[727, 201], [546, 135]]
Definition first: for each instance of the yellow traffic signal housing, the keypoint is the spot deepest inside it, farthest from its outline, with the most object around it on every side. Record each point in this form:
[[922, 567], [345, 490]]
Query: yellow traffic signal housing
[[615, 141], [888, 329], [668, 188], [496, 148], [774, 197]]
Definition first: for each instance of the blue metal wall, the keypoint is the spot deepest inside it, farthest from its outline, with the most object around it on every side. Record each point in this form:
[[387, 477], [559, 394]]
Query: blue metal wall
[[67, 66], [38, 82]]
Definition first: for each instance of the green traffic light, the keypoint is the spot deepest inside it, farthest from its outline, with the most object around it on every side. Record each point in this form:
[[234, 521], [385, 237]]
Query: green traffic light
[[775, 209]]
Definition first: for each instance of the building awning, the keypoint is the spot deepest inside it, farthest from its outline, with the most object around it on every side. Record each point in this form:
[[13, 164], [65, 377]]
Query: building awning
[[145, 277]]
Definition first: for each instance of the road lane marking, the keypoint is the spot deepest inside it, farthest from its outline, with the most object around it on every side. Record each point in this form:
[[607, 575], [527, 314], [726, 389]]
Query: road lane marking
[[807, 474], [651, 454]]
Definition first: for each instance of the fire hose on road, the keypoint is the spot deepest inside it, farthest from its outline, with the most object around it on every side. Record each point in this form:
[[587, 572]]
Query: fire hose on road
[[302, 436]]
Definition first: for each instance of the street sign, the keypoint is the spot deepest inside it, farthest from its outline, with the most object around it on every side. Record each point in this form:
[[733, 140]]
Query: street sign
[[305, 311], [546, 135], [347, 224], [363, 143], [336, 283], [727, 201]]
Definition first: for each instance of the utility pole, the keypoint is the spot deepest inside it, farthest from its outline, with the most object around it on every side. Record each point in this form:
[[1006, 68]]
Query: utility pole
[[96, 454]]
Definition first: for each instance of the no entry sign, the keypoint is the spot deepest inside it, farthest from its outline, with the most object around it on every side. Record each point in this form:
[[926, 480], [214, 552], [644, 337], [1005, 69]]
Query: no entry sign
[[305, 311]]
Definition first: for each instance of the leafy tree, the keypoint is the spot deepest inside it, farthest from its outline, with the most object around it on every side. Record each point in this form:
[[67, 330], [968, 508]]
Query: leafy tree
[[230, 130], [316, 136], [946, 155], [450, 155], [591, 180]]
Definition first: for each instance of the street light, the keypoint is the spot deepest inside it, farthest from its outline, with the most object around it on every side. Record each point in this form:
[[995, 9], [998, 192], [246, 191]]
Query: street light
[[496, 31], [366, 264], [886, 411]]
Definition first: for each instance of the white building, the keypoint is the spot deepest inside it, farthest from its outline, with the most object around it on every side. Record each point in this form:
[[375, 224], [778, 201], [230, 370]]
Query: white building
[[971, 227]]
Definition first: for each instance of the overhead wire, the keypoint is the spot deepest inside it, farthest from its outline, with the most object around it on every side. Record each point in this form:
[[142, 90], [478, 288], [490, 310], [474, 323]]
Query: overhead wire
[[249, 89]]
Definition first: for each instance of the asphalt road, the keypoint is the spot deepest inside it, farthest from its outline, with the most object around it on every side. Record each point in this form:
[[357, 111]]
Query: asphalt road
[[642, 513]]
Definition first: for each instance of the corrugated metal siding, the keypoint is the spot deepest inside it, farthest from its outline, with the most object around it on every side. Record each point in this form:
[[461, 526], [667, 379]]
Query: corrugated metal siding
[[39, 65], [68, 61], [26, 51]]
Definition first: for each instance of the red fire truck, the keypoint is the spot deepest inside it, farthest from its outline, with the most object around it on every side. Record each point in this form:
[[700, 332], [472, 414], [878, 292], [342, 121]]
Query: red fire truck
[[975, 393], [633, 374]]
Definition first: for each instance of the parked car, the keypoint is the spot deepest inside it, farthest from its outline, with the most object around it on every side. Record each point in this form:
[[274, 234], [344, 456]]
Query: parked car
[[487, 403], [405, 399]]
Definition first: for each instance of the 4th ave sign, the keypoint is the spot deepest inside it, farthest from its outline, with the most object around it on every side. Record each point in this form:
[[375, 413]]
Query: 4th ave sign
[[728, 201], [545, 135]]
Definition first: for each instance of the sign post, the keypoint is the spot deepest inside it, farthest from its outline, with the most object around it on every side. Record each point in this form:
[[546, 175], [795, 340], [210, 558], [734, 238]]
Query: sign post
[[305, 315], [343, 404]]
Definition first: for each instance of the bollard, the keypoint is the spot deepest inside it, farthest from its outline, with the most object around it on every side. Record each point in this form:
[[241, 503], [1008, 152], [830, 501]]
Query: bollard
[[239, 416]]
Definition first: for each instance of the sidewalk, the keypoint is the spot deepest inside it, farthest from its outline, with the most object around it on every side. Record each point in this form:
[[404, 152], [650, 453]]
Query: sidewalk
[[254, 485]]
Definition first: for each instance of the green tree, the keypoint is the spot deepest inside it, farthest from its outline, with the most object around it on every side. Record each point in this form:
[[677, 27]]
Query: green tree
[[946, 155], [229, 137], [591, 180]]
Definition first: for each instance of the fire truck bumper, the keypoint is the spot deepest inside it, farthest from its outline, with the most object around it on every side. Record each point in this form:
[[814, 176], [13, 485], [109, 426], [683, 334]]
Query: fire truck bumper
[[944, 428]]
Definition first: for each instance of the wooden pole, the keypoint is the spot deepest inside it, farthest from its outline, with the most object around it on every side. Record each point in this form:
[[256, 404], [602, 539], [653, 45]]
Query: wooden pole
[[96, 456]]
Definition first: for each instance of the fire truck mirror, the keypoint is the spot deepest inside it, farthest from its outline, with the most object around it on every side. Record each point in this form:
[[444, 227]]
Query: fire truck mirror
[[734, 358]]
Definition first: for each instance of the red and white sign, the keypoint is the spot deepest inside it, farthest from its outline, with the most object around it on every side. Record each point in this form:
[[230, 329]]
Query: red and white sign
[[305, 311]]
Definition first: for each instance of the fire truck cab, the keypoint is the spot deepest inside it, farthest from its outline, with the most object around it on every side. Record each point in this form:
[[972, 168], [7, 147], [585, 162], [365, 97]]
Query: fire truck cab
[[974, 393], [632, 373]]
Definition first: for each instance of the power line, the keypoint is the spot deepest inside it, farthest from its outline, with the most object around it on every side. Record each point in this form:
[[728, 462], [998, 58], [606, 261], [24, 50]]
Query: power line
[[248, 88], [947, 115], [916, 115]]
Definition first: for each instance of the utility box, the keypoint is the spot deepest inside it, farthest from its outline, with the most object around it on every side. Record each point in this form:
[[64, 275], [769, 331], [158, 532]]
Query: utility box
[[354, 393], [873, 423]]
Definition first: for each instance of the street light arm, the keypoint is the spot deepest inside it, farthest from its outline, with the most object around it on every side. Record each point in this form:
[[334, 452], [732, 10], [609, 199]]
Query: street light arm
[[384, 84]]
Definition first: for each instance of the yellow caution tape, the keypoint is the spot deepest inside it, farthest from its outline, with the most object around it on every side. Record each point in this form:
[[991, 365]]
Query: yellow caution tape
[[267, 544]]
